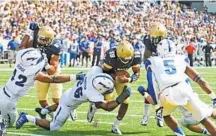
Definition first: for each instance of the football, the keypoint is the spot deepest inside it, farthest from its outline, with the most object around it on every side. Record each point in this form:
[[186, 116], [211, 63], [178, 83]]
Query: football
[[122, 76], [122, 73]]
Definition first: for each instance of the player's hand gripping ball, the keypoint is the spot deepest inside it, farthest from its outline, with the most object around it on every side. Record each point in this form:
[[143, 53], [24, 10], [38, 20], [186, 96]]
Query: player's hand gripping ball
[[122, 76]]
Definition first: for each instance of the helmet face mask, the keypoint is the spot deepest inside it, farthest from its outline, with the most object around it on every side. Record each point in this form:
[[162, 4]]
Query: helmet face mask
[[44, 41], [45, 36]]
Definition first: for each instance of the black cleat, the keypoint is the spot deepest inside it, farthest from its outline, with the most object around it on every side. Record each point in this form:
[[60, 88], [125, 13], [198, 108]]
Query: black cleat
[[38, 110]]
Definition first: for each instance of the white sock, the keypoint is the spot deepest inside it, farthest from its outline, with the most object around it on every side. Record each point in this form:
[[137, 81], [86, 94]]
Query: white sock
[[44, 111], [147, 109], [31, 118], [117, 122]]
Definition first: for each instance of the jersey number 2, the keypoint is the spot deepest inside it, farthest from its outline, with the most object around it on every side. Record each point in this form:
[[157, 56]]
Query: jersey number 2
[[21, 77], [170, 67]]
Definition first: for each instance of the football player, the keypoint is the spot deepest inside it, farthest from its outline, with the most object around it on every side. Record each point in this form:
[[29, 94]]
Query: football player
[[42, 37], [169, 72], [187, 120], [28, 67], [118, 59], [157, 32], [92, 88]]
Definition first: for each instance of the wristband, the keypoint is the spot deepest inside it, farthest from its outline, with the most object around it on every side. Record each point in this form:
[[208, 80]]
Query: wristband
[[212, 95], [129, 80], [72, 77]]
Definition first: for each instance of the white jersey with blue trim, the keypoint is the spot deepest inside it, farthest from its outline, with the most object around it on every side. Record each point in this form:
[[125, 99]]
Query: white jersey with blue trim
[[83, 90], [168, 70], [22, 77]]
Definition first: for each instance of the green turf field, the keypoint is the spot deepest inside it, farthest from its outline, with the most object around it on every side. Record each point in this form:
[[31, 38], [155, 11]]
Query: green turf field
[[130, 125]]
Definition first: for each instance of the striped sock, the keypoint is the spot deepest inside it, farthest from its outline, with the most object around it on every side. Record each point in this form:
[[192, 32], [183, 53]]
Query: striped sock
[[205, 131], [179, 131]]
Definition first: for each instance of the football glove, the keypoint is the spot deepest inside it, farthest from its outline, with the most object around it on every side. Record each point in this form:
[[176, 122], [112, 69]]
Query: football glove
[[141, 90], [124, 95], [133, 78], [214, 102], [33, 26], [80, 76], [47, 65]]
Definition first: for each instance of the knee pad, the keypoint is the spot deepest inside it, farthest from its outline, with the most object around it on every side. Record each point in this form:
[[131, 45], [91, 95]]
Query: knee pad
[[188, 120]]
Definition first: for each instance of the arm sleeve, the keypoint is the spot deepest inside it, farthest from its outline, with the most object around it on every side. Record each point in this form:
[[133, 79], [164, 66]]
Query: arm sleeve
[[147, 64], [152, 86]]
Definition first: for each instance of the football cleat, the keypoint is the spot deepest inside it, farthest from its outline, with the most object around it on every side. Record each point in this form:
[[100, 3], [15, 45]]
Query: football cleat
[[116, 130], [159, 117], [91, 112], [145, 120], [38, 110], [2, 129], [21, 120], [73, 115]]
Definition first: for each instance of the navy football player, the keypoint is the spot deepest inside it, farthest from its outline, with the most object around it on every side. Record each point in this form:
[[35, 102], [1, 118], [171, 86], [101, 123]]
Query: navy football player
[[157, 32], [42, 37], [116, 62]]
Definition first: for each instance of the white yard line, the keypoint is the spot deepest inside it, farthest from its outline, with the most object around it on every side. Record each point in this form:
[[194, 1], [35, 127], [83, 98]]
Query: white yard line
[[24, 134]]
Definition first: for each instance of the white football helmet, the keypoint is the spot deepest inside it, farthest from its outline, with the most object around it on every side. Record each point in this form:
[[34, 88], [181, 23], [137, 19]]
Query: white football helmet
[[104, 83], [166, 47], [31, 57]]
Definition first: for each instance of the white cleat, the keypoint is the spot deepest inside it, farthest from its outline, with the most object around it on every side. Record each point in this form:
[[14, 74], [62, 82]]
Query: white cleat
[[91, 112], [145, 120], [159, 117], [116, 130], [73, 115]]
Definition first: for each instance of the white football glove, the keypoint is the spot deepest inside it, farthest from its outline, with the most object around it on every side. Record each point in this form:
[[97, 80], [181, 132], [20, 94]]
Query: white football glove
[[47, 65]]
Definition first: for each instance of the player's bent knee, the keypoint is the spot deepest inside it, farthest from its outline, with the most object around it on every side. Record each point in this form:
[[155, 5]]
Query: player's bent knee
[[43, 103], [56, 100], [186, 121]]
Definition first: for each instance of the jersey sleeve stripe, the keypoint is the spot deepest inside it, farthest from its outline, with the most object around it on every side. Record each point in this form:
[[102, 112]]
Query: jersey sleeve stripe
[[107, 66]]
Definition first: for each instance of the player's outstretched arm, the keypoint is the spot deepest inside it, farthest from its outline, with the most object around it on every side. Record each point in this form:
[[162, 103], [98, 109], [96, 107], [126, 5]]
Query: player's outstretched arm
[[111, 105], [26, 41], [194, 75], [42, 77]]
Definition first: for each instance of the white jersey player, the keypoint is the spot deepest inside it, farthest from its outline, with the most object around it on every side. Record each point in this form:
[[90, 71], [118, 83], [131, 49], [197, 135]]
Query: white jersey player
[[29, 63], [91, 89], [169, 72]]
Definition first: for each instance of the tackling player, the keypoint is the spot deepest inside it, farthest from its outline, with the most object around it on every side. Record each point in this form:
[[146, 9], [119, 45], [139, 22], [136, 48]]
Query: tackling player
[[28, 67], [42, 37], [169, 71], [92, 88], [157, 33], [116, 60]]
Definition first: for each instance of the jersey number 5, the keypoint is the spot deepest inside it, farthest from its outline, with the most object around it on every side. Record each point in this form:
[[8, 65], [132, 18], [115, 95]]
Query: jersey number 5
[[22, 79], [170, 67]]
